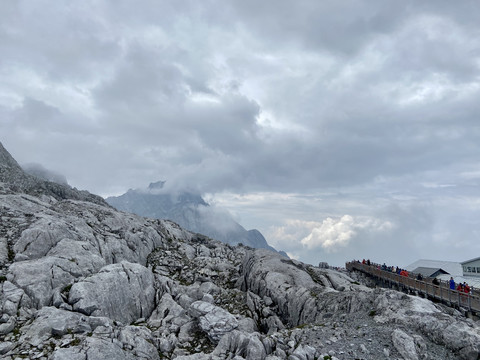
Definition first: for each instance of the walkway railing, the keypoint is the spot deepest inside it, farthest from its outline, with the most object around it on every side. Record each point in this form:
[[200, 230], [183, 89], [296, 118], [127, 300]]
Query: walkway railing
[[440, 292]]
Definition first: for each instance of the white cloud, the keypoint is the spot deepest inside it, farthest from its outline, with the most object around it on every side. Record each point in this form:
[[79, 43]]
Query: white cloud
[[333, 234]]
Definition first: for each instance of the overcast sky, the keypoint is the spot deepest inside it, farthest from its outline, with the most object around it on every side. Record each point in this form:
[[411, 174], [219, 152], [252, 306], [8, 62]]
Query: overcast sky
[[339, 129]]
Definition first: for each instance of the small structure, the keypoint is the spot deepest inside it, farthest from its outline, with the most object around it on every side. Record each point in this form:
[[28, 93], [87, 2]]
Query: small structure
[[429, 272], [324, 265], [471, 267], [450, 267]]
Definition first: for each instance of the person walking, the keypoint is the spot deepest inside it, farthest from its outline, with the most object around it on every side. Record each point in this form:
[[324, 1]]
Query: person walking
[[452, 284]]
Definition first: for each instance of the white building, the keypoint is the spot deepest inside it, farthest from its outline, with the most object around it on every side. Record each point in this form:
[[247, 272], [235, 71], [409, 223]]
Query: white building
[[471, 267], [453, 269]]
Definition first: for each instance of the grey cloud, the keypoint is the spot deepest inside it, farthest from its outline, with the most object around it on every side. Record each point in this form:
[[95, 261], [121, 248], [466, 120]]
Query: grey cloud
[[372, 98]]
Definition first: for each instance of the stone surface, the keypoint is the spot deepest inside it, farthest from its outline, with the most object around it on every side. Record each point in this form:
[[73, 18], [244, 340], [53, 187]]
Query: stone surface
[[213, 320], [122, 292]]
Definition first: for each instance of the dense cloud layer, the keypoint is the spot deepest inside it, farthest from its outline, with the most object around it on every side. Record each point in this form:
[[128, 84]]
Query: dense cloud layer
[[363, 111]]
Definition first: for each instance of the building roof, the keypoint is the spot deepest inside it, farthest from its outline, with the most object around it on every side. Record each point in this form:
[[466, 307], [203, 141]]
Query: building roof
[[471, 260], [429, 272], [450, 267]]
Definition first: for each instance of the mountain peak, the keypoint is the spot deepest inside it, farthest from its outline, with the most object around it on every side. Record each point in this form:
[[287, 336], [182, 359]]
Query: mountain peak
[[156, 185]]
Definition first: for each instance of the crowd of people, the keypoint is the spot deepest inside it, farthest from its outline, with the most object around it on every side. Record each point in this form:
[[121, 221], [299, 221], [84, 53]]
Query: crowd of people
[[460, 287], [392, 269]]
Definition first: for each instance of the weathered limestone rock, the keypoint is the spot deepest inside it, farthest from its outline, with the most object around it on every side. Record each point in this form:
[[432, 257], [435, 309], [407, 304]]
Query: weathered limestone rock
[[248, 346], [50, 321], [213, 320], [12, 295], [3, 251], [123, 292], [166, 311], [405, 344]]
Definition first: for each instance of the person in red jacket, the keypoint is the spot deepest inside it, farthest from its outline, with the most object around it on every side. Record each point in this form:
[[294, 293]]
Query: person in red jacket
[[466, 288]]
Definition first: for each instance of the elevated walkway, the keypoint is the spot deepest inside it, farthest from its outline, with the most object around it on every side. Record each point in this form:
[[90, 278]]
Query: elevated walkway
[[441, 293]]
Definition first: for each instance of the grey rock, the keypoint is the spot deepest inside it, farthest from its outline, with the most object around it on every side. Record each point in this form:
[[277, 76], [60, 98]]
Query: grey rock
[[405, 344], [139, 341], [305, 352], [12, 295], [165, 312], [50, 321], [70, 353], [8, 326], [213, 320], [123, 292], [3, 251], [6, 346], [249, 346]]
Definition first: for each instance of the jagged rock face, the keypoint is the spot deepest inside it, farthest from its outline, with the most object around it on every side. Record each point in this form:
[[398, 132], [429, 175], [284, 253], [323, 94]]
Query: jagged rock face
[[79, 280], [189, 211]]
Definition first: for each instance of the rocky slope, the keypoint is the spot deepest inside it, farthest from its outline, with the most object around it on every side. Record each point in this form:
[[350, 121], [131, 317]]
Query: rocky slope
[[14, 179], [80, 280], [191, 212]]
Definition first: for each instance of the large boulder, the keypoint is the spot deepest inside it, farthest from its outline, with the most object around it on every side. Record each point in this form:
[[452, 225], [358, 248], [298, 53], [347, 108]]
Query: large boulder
[[213, 320], [122, 292]]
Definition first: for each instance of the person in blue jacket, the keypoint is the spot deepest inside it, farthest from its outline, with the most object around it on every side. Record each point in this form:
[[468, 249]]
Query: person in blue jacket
[[452, 283]]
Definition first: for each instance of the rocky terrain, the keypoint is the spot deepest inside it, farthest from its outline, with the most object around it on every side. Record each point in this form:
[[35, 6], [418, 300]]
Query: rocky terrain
[[191, 212], [81, 280]]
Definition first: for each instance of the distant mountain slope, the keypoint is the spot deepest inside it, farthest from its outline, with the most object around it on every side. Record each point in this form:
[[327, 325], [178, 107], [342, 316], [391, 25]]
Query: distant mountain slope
[[191, 212], [13, 178], [39, 171]]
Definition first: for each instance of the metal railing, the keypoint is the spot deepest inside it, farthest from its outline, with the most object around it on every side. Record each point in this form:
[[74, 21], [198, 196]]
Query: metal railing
[[441, 292]]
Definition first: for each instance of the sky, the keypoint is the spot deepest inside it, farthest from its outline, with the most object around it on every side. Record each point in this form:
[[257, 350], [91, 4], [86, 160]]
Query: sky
[[339, 129]]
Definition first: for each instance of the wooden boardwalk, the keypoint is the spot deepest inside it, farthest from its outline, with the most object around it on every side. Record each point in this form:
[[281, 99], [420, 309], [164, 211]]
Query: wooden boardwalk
[[442, 292]]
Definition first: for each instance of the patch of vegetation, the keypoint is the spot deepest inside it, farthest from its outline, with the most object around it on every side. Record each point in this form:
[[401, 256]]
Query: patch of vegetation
[[11, 254], [314, 275], [355, 283], [303, 326], [315, 293], [75, 342], [66, 290], [372, 313], [200, 343], [16, 332], [3, 278], [327, 357]]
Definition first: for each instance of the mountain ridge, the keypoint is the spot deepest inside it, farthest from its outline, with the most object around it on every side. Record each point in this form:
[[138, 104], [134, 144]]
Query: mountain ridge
[[190, 211]]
